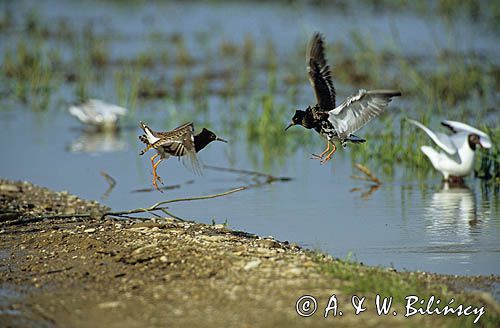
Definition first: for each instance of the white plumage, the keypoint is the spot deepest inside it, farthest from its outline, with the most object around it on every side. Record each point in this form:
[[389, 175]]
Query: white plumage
[[359, 109], [457, 157], [98, 113]]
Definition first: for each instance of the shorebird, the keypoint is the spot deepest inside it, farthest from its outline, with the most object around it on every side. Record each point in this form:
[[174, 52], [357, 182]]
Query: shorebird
[[98, 113], [336, 123], [180, 142], [457, 158]]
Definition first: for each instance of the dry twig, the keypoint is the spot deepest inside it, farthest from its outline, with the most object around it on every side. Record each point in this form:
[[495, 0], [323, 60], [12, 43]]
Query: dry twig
[[158, 207], [369, 175], [125, 214], [112, 183]]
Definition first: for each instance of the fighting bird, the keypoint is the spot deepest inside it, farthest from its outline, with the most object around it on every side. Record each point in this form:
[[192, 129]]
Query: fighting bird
[[180, 142], [336, 123], [456, 159]]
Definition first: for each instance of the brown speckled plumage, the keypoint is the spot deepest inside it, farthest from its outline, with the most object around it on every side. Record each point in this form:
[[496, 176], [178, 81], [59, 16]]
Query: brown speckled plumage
[[180, 142]]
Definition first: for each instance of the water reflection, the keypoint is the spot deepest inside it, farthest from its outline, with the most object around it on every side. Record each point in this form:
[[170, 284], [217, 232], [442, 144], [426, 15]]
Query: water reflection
[[91, 141], [452, 215]]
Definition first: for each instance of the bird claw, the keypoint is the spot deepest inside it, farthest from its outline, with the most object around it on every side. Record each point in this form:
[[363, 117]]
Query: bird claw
[[323, 161], [156, 185], [157, 178], [319, 157]]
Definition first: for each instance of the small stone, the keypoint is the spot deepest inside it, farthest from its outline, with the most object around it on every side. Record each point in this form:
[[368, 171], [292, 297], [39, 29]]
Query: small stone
[[109, 305], [89, 230], [9, 188], [252, 264], [269, 243], [262, 250], [294, 271]]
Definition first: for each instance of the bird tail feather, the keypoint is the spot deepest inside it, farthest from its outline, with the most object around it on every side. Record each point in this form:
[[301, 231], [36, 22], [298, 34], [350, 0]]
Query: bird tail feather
[[355, 139]]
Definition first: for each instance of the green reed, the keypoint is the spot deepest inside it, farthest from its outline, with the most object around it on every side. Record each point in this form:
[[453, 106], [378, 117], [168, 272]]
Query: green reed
[[261, 90], [29, 72]]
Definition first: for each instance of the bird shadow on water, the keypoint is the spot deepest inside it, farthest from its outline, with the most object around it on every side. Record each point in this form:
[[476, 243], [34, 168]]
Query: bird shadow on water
[[249, 179], [253, 179], [246, 179]]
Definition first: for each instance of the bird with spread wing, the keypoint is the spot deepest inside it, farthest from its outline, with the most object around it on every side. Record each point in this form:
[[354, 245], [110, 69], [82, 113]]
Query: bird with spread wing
[[180, 142], [336, 123], [456, 158]]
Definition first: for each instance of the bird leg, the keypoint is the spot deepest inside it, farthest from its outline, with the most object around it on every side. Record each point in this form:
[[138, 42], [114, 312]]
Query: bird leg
[[153, 159], [327, 158], [155, 176], [154, 170], [320, 156]]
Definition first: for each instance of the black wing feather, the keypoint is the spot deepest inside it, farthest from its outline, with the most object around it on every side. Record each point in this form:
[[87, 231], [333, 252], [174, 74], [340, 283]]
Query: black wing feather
[[319, 74]]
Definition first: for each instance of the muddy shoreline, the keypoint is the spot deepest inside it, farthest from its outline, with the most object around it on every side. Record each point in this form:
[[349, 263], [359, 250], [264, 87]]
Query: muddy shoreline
[[68, 270]]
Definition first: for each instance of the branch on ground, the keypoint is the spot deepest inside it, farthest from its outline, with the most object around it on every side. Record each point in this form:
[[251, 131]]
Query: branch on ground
[[125, 214]]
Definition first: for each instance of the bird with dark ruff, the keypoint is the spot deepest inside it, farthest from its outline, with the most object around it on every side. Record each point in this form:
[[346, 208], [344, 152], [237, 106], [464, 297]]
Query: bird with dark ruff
[[180, 142], [336, 123]]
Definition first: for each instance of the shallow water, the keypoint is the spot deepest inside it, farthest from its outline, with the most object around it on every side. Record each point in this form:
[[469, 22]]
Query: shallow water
[[406, 223], [402, 224]]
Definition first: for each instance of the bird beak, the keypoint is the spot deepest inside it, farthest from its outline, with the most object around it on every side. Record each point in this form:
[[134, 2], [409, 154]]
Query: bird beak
[[288, 127], [484, 144], [220, 139]]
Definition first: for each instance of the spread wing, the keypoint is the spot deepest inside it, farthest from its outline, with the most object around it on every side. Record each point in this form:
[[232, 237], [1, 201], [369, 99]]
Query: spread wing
[[180, 130], [442, 140], [97, 112], [180, 142], [359, 109], [457, 127], [319, 73]]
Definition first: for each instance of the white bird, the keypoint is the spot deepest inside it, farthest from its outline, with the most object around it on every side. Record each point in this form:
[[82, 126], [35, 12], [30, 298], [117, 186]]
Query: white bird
[[98, 113], [457, 158]]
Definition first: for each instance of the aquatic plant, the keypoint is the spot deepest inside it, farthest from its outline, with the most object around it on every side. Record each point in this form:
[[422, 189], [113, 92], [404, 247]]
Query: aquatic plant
[[259, 86], [30, 72], [488, 165]]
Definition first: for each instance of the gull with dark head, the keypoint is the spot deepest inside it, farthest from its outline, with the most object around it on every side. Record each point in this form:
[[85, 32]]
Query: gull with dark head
[[336, 123], [456, 160], [180, 142]]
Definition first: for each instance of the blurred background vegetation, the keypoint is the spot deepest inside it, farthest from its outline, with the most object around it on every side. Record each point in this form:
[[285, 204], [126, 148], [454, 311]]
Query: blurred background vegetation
[[248, 89]]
